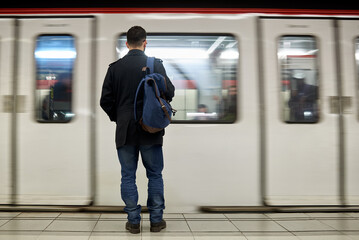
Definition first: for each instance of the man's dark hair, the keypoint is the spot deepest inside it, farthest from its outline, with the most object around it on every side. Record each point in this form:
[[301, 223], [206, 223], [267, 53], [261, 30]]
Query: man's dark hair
[[136, 35]]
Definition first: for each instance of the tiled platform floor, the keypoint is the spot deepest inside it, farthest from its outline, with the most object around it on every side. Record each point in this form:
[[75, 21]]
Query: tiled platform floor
[[186, 226]]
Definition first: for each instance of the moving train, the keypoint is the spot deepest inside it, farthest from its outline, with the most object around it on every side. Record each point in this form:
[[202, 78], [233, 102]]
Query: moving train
[[267, 106]]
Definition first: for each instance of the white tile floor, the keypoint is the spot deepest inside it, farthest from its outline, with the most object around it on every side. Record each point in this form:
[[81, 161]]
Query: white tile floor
[[187, 226]]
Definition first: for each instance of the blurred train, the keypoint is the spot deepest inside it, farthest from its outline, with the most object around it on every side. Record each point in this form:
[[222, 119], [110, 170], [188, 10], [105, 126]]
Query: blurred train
[[267, 106]]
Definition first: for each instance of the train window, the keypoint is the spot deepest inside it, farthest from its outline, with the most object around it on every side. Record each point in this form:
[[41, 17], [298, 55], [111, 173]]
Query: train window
[[298, 61], [203, 68], [55, 56]]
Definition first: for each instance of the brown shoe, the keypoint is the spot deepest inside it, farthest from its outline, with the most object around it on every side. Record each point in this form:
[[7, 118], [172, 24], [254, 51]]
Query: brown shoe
[[133, 228], [157, 227]]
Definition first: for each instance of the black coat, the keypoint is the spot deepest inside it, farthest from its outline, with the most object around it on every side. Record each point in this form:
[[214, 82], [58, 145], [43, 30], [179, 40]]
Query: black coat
[[118, 95]]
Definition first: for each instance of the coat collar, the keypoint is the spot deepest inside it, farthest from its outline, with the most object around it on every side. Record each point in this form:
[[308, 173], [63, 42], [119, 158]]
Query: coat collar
[[136, 52]]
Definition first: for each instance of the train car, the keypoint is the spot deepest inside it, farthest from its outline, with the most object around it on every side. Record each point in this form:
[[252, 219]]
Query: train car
[[267, 106]]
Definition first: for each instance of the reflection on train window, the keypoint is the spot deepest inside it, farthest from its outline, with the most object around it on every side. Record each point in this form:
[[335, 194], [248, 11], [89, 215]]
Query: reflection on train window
[[55, 56], [298, 62], [203, 69]]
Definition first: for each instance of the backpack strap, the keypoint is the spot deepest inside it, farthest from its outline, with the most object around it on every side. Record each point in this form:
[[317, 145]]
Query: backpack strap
[[135, 103], [163, 106], [151, 64]]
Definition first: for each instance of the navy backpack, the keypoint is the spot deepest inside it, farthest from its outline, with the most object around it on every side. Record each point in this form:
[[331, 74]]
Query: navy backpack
[[157, 112]]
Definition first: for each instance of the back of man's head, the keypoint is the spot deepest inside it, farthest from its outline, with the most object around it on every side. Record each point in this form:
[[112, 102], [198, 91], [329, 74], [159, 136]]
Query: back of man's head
[[136, 35]]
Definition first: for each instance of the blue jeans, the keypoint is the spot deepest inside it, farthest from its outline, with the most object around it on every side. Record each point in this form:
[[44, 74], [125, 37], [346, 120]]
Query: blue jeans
[[152, 159]]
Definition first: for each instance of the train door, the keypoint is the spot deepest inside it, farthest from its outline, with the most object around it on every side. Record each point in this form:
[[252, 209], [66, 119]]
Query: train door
[[301, 130], [349, 46], [53, 120], [6, 53], [214, 142]]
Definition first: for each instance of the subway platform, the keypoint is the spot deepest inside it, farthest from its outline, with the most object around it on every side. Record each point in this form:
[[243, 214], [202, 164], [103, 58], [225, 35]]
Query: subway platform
[[181, 226]]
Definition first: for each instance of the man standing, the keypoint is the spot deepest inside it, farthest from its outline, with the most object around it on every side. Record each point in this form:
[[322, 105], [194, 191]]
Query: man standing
[[117, 99], [303, 100]]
